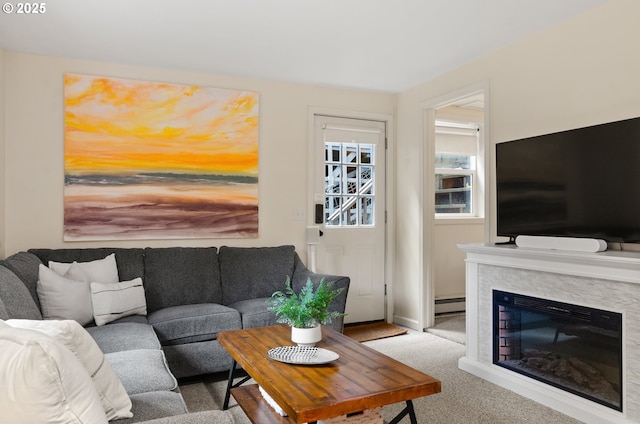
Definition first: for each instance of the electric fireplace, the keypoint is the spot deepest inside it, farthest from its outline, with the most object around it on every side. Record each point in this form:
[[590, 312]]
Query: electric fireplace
[[572, 347]]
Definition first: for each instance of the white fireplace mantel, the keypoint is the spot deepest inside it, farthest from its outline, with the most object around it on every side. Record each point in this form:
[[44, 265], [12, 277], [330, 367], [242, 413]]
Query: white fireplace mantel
[[607, 280]]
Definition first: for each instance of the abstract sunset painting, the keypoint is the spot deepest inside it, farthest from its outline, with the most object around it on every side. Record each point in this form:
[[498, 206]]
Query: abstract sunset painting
[[151, 160]]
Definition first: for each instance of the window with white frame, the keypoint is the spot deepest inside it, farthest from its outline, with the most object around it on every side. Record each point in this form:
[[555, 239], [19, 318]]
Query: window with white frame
[[456, 167]]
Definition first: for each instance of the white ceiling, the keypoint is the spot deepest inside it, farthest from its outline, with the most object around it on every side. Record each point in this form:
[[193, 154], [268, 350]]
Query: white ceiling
[[384, 45]]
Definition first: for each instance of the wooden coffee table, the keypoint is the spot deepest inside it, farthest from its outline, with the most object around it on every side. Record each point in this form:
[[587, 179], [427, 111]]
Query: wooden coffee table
[[359, 380]]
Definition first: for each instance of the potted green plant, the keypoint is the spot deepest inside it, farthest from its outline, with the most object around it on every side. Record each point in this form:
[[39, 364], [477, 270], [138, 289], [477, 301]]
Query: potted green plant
[[305, 311]]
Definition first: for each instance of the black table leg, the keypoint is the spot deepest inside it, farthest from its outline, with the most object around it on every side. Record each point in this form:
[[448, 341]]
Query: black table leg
[[412, 412], [230, 385], [407, 410], [227, 394]]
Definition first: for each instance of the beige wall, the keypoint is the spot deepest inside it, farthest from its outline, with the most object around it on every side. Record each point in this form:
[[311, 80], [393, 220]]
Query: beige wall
[[448, 260], [581, 72], [34, 148]]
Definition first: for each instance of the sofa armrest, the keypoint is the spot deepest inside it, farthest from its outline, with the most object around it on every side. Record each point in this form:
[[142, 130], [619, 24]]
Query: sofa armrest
[[300, 276], [204, 417]]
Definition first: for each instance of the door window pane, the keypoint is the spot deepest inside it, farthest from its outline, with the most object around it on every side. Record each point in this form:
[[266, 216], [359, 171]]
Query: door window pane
[[332, 152], [350, 213], [366, 208], [333, 204], [332, 179], [351, 153], [349, 182], [366, 180], [366, 153]]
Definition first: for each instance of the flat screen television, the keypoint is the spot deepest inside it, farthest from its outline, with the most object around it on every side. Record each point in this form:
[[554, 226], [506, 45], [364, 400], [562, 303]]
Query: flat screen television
[[582, 182]]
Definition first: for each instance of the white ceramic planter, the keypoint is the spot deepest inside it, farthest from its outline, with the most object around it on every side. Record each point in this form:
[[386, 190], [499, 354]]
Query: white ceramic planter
[[306, 336]]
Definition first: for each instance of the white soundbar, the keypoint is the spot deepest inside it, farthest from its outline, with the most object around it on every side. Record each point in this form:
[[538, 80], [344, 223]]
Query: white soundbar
[[562, 243]]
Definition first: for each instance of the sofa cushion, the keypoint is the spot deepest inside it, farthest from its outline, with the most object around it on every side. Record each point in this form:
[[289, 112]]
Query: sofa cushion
[[142, 370], [41, 381], [62, 298], [200, 358], [25, 266], [193, 323], [254, 272], [114, 398], [200, 417], [254, 312], [122, 336], [155, 405], [130, 262], [112, 301], [16, 297], [138, 319], [181, 276]]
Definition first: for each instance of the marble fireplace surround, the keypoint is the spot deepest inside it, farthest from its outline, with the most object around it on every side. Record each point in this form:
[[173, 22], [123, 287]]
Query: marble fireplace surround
[[607, 280]]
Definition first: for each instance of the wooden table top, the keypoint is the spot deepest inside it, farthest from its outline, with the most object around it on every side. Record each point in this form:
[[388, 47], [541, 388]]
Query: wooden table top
[[360, 379]]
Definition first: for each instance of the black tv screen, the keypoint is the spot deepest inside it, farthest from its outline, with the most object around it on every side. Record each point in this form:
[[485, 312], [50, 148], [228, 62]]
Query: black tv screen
[[579, 183]]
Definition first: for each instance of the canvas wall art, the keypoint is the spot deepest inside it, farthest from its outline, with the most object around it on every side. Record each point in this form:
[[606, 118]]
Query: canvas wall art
[[151, 160]]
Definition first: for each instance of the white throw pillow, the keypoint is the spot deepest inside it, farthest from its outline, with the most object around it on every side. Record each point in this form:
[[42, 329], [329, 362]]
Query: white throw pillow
[[76, 273], [101, 270], [41, 381], [62, 298], [73, 336], [117, 300]]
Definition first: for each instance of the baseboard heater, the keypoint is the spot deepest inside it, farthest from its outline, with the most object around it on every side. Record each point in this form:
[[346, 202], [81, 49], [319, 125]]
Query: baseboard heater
[[447, 305]]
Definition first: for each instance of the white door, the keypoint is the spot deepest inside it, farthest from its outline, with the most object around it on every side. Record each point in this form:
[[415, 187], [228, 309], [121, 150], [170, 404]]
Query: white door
[[349, 183]]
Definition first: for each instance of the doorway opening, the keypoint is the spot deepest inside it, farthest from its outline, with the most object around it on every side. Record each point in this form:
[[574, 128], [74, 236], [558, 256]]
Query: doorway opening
[[455, 193]]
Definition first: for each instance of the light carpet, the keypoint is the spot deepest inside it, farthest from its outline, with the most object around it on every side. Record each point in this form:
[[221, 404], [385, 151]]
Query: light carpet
[[465, 399], [450, 327]]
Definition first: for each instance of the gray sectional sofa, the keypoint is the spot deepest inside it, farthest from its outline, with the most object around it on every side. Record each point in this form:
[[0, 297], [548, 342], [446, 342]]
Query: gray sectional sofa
[[191, 295]]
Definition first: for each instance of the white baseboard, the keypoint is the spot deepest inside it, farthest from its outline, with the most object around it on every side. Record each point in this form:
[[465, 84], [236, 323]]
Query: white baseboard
[[407, 322], [447, 305]]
